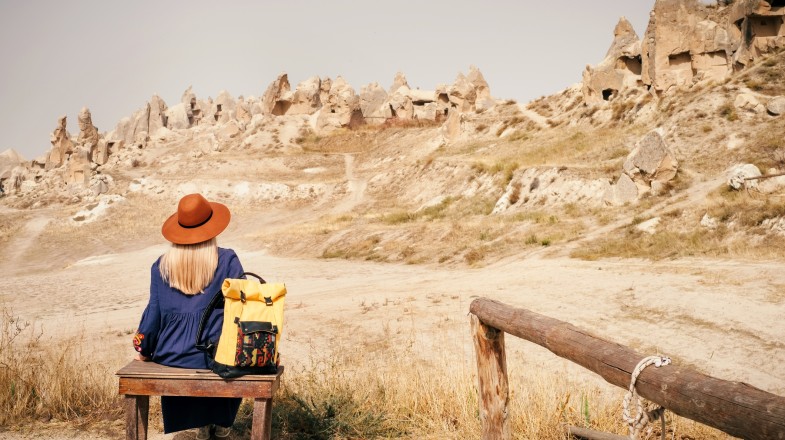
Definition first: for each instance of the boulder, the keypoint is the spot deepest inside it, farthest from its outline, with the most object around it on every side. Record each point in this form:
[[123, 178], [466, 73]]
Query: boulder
[[748, 101], [178, 117], [738, 174], [709, 222], [622, 192], [61, 145], [88, 134], [651, 160], [271, 100], [342, 108], [372, 103], [649, 226], [306, 99], [776, 105]]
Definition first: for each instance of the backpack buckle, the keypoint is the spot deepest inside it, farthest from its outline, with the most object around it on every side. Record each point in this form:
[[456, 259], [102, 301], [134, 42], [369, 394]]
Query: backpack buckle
[[268, 300]]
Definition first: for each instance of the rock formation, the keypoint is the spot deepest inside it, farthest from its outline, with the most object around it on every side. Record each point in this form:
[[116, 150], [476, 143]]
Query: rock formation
[[342, 108], [372, 100], [77, 167], [61, 145], [306, 99], [88, 134], [621, 67], [272, 102], [144, 122], [648, 167], [686, 42]]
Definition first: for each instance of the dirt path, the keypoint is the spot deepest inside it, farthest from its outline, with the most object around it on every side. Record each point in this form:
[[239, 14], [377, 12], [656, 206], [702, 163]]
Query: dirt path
[[721, 317], [12, 261]]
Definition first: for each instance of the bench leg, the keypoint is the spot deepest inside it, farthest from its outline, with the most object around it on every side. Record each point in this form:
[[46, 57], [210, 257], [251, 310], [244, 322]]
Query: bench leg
[[136, 410], [262, 419]]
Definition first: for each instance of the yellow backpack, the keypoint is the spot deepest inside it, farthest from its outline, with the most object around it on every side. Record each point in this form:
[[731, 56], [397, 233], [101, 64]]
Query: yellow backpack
[[252, 327]]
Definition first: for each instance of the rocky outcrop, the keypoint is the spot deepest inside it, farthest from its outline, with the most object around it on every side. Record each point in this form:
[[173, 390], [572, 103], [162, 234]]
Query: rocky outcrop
[[306, 99], [61, 145], [88, 134], [342, 108], [272, 100], [648, 167], [469, 93], [144, 122], [621, 67], [686, 42], [650, 161], [224, 108], [77, 169], [398, 81], [372, 103]]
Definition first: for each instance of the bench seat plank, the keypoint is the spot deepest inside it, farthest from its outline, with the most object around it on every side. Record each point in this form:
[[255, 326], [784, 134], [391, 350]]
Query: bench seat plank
[[139, 380]]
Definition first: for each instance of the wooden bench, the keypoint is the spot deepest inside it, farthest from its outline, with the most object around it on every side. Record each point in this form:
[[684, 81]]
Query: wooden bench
[[140, 380]]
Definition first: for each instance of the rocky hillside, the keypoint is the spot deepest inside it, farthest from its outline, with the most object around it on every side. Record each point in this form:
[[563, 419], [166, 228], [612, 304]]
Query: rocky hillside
[[651, 155]]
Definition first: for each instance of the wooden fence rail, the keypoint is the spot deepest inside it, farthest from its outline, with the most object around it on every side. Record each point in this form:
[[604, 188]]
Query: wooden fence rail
[[736, 408]]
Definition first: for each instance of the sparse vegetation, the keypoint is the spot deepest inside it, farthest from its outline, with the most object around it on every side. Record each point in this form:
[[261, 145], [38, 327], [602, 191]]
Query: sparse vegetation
[[331, 396]]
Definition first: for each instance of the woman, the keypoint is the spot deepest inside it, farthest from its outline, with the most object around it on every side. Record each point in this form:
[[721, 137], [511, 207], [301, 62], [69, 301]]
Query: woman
[[182, 283]]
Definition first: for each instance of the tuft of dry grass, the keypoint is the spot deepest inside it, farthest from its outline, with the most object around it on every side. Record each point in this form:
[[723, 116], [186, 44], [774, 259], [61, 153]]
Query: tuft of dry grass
[[45, 378], [395, 392]]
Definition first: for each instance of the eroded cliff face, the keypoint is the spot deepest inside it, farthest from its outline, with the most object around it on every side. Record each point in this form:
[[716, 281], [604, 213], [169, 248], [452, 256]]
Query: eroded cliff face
[[685, 43], [79, 168]]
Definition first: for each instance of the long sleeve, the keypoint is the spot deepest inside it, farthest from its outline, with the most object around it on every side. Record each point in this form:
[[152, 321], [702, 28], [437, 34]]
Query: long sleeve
[[146, 336], [235, 267]]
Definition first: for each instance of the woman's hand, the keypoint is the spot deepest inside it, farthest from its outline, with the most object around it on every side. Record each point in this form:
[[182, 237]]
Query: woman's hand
[[142, 358]]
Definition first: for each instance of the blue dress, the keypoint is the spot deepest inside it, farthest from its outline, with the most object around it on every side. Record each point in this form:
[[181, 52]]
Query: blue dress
[[167, 335]]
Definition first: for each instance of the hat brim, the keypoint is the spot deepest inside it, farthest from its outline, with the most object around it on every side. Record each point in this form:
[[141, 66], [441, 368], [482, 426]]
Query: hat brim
[[177, 234]]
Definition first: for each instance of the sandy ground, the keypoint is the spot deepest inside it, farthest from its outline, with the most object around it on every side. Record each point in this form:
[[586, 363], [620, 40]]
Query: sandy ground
[[724, 318]]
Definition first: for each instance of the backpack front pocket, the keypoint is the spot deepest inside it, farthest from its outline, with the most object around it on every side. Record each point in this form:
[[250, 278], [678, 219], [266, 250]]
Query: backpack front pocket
[[256, 344]]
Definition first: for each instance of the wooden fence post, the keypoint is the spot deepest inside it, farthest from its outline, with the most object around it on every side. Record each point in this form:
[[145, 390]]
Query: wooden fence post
[[492, 380], [736, 408]]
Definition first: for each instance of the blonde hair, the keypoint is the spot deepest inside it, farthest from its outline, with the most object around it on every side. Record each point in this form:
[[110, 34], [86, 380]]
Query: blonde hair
[[189, 268]]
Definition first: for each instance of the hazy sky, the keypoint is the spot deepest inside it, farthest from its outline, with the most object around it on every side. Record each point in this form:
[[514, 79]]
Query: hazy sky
[[58, 56]]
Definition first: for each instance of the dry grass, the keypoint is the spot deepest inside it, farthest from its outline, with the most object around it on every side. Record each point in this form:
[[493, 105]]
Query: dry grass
[[739, 233], [331, 396], [11, 224], [46, 378]]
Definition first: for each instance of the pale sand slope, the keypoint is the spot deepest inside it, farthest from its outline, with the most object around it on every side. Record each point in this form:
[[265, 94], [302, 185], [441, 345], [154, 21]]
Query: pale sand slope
[[722, 317]]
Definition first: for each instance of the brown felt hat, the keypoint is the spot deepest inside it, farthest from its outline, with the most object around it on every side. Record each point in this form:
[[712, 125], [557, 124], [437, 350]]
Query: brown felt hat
[[196, 220]]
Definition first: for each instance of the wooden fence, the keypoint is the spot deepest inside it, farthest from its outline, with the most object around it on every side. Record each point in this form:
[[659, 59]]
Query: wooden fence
[[736, 408]]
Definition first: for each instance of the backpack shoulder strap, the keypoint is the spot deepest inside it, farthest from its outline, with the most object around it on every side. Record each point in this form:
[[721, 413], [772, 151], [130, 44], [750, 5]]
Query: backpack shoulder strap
[[208, 346]]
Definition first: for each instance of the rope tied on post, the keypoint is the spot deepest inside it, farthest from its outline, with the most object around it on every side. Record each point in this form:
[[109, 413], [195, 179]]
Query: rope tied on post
[[645, 413]]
